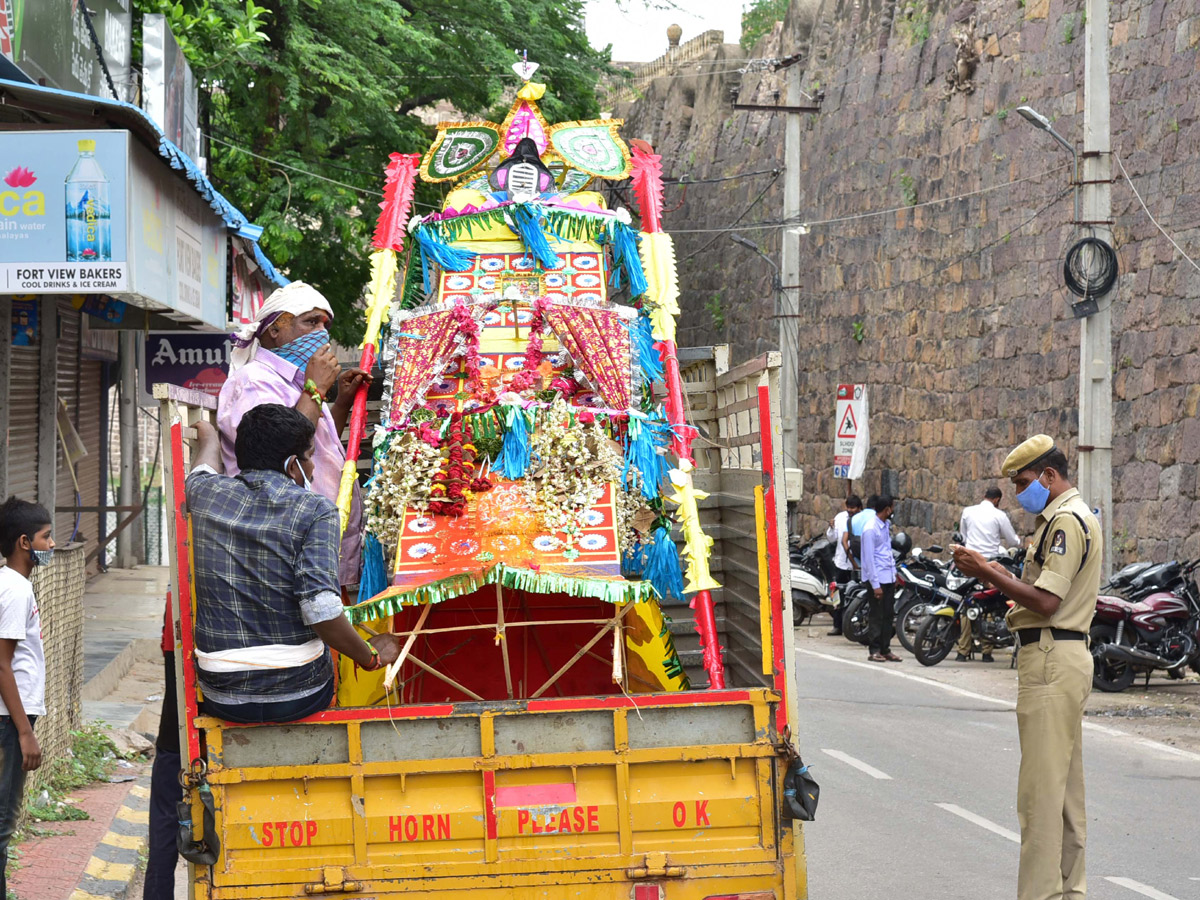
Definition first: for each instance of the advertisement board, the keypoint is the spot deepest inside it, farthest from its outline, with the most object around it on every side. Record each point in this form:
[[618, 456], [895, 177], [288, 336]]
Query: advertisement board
[[169, 92], [49, 40], [63, 217], [195, 360]]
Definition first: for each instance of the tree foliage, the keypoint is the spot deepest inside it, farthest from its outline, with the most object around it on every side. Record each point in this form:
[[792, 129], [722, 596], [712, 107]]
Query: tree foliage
[[758, 18], [306, 99]]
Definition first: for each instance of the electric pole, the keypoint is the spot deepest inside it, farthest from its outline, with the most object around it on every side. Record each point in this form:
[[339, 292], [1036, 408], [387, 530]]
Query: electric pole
[[1095, 331], [789, 305]]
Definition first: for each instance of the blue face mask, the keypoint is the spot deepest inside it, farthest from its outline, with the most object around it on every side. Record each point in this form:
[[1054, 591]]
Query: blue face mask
[[301, 350], [1035, 497], [42, 557], [304, 475]]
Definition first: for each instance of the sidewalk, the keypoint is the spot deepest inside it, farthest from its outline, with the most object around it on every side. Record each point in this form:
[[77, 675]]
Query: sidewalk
[[100, 857]]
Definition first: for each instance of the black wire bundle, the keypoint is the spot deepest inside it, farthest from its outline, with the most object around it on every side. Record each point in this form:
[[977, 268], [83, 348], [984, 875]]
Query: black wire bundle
[[1090, 269]]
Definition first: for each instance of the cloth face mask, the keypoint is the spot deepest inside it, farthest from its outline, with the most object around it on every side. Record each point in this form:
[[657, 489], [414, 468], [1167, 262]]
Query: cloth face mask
[[302, 349]]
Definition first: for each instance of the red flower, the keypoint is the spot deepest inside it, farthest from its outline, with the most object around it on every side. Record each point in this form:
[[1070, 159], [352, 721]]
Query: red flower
[[586, 416]]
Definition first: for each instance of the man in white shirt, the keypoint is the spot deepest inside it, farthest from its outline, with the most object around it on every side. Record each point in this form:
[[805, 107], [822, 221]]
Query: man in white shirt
[[839, 533], [25, 542], [986, 530]]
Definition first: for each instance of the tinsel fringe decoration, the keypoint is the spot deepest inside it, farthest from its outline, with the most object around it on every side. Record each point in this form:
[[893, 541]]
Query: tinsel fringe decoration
[[535, 582], [662, 566], [514, 459], [374, 572], [645, 439], [527, 221], [633, 561], [649, 364], [625, 255], [452, 259]]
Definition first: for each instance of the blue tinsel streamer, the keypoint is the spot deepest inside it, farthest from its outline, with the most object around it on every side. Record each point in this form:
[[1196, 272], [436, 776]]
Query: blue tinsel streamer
[[643, 439], [374, 572], [514, 458], [649, 365], [625, 251], [633, 562], [662, 566], [528, 222], [452, 259]]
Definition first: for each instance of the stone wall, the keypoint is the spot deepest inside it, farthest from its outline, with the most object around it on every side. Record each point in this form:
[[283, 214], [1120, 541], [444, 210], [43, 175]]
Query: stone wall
[[968, 343]]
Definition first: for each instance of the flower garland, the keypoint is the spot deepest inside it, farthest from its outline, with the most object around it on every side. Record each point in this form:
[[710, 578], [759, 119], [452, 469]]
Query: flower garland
[[448, 494], [534, 355], [578, 460], [402, 478], [468, 327]]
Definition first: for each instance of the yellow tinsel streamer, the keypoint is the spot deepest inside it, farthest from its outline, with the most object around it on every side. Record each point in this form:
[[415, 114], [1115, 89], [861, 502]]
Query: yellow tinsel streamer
[[662, 295], [697, 546]]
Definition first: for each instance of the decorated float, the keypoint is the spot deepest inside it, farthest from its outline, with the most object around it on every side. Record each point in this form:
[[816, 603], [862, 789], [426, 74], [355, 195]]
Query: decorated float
[[532, 462]]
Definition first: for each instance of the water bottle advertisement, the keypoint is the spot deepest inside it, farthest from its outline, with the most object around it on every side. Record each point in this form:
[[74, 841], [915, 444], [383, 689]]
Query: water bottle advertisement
[[62, 212]]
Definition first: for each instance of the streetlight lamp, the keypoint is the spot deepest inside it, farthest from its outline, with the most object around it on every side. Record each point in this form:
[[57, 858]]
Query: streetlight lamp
[[1037, 120]]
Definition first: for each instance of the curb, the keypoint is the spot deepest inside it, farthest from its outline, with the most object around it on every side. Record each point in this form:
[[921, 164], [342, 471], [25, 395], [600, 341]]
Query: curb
[[106, 680], [117, 857]]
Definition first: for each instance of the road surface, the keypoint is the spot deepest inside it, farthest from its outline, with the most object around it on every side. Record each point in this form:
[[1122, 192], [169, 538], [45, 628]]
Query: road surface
[[918, 791]]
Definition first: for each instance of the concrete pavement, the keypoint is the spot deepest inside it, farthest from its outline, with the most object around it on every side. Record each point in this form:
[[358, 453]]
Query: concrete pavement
[[919, 778]]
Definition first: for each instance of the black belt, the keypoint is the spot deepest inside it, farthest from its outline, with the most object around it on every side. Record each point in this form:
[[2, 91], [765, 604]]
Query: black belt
[[1033, 635]]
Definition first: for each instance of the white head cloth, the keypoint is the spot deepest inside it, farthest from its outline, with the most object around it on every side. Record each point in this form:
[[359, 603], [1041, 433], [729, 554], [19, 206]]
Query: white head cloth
[[296, 298]]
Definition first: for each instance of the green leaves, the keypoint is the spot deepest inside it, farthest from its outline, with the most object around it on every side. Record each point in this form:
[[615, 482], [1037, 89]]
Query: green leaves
[[330, 88]]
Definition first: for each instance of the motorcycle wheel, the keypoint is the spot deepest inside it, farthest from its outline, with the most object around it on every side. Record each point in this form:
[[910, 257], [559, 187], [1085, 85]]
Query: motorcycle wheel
[[802, 611], [856, 619], [907, 622], [934, 639], [1110, 677]]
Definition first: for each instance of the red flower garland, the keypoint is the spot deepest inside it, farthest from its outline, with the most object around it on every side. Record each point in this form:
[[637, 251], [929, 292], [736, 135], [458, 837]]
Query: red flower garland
[[469, 329], [448, 484], [525, 379]]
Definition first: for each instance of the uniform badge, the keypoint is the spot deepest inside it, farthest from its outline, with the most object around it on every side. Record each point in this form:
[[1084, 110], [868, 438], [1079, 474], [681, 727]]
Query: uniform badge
[[1058, 543]]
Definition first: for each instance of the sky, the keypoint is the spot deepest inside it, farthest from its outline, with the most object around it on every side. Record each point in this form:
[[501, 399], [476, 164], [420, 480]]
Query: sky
[[637, 29]]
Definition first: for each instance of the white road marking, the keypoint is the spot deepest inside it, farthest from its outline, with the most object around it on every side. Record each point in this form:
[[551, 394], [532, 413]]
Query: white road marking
[[858, 764], [980, 821], [1138, 888], [1090, 726]]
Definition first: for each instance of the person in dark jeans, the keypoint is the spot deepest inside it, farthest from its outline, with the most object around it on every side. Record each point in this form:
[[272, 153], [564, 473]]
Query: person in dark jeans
[[165, 791], [843, 562], [879, 569]]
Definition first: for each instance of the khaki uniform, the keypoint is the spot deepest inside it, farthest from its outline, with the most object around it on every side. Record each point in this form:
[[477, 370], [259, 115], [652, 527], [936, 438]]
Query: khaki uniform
[[1054, 680]]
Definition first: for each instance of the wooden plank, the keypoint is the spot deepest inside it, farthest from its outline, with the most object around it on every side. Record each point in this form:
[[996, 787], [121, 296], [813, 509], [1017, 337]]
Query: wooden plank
[[184, 395]]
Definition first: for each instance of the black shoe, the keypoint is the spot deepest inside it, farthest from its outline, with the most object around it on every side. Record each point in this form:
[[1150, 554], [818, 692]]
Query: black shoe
[[960, 658], [835, 633], [987, 657]]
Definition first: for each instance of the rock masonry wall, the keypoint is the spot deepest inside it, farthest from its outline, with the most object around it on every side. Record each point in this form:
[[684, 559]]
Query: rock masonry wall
[[968, 343]]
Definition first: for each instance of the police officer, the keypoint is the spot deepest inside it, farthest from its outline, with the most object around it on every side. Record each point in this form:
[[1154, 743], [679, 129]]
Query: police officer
[[1055, 598]]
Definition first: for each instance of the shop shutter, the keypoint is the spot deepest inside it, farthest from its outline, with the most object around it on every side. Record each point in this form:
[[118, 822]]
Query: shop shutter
[[91, 400], [68, 393], [23, 423]]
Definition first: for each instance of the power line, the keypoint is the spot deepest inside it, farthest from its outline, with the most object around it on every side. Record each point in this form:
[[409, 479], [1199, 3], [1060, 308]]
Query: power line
[[1150, 215], [787, 223], [746, 212]]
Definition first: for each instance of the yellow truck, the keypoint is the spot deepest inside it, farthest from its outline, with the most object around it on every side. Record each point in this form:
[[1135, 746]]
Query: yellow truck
[[582, 706], [651, 796]]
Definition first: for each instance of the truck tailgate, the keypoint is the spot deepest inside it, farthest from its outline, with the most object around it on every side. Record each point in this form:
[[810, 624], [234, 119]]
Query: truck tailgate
[[597, 790]]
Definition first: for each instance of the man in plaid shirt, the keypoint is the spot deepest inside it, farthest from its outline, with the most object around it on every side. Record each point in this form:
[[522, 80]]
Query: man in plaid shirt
[[268, 601]]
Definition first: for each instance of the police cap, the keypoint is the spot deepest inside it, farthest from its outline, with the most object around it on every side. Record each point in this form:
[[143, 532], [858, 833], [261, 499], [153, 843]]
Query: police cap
[[1028, 454]]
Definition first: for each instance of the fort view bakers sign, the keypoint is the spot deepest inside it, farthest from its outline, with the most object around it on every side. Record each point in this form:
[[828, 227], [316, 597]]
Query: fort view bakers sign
[[63, 212]]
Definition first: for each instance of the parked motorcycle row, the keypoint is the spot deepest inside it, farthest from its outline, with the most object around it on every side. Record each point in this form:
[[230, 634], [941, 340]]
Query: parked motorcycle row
[[1147, 617]]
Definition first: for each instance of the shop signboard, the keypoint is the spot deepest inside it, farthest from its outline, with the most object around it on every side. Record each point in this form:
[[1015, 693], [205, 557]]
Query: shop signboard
[[63, 217], [195, 360], [169, 92], [49, 41]]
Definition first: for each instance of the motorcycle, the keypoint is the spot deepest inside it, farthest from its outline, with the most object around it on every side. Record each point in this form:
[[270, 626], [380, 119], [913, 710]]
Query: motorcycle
[[1160, 632], [986, 608], [856, 596], [811, 579]]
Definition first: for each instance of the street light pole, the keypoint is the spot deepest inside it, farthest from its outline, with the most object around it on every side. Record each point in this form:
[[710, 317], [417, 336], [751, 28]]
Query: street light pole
[[1095, 331]]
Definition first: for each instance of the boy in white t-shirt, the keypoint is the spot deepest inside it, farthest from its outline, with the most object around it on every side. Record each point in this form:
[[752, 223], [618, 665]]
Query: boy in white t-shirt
[[25, 542]]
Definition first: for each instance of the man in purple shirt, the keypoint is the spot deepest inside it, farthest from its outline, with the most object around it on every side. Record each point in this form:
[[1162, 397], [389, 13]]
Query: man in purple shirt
[[879, 570], [284, 357]]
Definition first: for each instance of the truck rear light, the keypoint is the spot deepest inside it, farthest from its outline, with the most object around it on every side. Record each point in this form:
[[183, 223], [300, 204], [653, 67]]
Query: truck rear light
[[647, 892], [750, 895]]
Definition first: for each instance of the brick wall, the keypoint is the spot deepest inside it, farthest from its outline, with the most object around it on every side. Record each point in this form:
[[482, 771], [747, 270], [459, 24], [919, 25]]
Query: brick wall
[[968, 341]]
